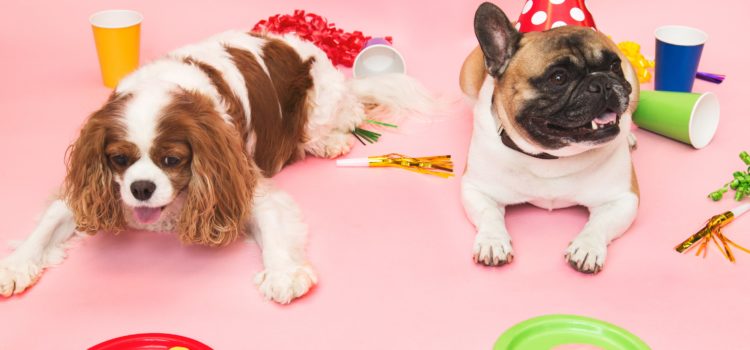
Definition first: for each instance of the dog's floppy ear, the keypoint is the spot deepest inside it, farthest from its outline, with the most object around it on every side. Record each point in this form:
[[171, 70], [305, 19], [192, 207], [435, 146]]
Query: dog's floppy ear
[[220, 191], [497, 37], [90, 190]]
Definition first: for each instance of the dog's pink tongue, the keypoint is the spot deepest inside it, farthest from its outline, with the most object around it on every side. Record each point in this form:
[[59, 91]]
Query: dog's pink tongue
[[146, 215], [606, 118]]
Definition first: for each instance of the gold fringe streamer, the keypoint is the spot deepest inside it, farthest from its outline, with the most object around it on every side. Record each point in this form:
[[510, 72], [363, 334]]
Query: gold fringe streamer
[[441, 166], [712, 233]]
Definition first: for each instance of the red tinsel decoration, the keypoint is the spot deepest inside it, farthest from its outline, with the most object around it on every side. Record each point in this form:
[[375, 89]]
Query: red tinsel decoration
[[340, 46]]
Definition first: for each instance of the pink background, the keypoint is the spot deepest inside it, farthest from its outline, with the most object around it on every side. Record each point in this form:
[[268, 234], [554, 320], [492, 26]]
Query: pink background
[[392, 248]]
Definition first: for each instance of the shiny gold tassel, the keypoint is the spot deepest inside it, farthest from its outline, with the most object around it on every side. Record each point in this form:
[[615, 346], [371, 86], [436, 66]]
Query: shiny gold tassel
[[712, 233], [441, 166]]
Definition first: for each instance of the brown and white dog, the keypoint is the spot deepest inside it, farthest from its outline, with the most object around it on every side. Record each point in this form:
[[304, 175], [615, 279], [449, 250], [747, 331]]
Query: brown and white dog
[[187, 143], [551, 127]]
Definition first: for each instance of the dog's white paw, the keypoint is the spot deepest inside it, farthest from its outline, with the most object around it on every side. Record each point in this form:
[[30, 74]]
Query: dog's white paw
[[284, 285], [492, 249], [332, 145], [586, 254], [16, 276], [337, 144]]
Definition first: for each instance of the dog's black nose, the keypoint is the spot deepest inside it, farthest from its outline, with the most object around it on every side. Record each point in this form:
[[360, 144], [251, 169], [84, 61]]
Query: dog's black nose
[[600, 85], [142, 190]]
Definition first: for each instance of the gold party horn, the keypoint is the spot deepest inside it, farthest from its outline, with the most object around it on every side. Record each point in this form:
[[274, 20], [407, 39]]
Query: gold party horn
[[441, 166], [711, 232]]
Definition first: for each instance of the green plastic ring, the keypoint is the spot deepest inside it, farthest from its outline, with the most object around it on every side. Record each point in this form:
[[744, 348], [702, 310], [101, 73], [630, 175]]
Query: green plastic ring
[[546, 332]]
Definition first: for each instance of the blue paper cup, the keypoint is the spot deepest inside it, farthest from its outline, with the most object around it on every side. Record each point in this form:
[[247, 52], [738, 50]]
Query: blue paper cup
[[678, 52]]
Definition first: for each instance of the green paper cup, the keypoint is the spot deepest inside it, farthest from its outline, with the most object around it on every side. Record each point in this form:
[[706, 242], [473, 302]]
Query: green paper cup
[[686, 117], [554, 332]]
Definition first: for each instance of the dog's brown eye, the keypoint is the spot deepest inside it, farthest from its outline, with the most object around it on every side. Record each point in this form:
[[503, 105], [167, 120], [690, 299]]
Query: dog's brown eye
[[559, 77], [171, 161], [616, 67], [120, 160]]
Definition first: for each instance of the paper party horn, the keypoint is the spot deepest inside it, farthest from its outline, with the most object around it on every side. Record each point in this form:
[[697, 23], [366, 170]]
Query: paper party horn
[[687, 117], [441, 166]]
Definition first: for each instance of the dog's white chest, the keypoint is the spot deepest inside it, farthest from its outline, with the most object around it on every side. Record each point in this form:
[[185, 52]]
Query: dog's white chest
[[511, 177], [551, 204]]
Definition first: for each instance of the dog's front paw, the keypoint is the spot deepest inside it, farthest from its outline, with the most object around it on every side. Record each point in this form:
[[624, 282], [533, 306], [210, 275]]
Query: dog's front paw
[[492, 250], [15, 276], [586, 254], [338, 144], [335, 144], [284, 285]]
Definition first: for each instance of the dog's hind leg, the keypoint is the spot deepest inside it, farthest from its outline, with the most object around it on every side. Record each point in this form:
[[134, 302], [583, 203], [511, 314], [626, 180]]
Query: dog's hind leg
[[278, 228], [492, 244], [43, 248]]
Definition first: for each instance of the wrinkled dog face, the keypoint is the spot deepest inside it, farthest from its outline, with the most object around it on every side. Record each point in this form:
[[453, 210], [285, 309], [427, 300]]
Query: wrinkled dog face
[[579, 96], [568, 86]]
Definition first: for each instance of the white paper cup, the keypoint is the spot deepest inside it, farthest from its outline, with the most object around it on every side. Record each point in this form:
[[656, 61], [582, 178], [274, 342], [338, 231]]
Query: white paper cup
[[378, 57]]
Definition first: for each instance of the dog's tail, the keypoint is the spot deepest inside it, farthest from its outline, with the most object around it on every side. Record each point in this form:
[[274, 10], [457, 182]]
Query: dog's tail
[[393, 95]]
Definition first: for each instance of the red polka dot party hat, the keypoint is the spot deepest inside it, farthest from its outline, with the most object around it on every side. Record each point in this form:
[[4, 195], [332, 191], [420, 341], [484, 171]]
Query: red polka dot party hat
[[541, 15]]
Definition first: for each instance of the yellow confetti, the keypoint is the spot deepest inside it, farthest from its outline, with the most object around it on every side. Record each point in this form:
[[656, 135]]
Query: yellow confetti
[[640, 63]]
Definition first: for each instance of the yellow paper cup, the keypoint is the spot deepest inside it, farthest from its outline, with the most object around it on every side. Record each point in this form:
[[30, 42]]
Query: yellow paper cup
[[117, 34]]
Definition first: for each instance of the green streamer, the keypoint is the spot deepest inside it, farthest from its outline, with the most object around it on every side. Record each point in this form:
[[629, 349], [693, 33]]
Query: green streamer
[[369, 136], [740, 183], [396, 126]]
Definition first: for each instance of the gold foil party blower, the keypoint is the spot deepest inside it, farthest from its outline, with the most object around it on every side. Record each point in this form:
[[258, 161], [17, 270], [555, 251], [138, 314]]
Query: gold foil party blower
[[712, 233], [441, 166]]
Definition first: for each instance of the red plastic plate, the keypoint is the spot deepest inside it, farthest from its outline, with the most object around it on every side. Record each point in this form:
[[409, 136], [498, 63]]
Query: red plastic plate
[[151, 341]]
